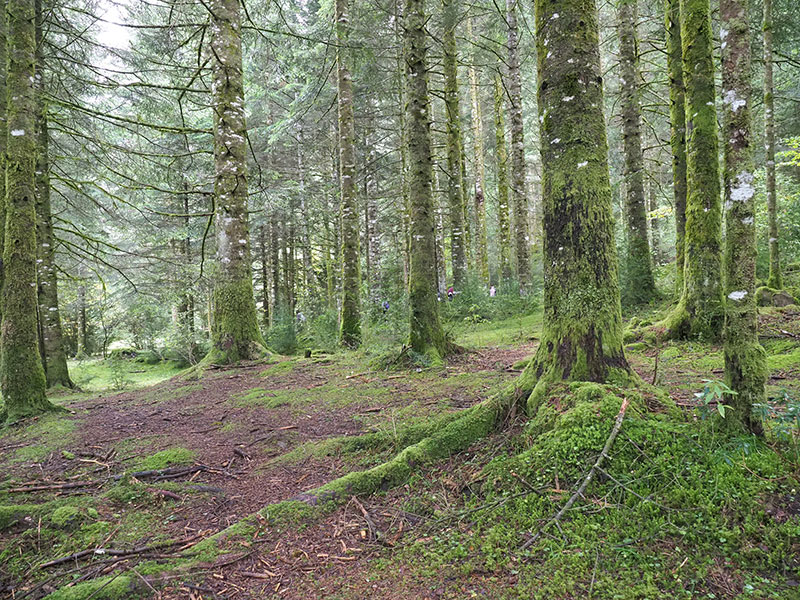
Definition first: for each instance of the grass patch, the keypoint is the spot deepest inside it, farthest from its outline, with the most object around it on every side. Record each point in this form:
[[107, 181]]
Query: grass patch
[[508, 332], [167, 458], [96, 375]]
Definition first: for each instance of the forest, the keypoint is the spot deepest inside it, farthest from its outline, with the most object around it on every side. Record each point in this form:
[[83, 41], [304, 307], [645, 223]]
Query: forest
[[400, 299]]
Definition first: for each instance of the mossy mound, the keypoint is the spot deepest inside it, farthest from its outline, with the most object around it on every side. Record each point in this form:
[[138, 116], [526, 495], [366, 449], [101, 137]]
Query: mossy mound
[[766, 296]]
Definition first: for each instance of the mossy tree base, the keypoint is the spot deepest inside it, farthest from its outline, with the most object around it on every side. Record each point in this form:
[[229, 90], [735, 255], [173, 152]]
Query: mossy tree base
[[681, 324]]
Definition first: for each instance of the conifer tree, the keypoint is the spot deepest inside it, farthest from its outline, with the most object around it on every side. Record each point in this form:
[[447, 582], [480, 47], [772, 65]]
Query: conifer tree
[[501, 152], [775, 280]]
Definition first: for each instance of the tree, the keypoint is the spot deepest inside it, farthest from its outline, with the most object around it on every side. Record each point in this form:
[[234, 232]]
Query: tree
[[426, 335], [639, 284], [22, 378], [582, 327], [775, 280], [481, 250], [350, 329], [54, 356], [518, 188], [677, 119], [700, 311], [455, 196], [501, 152], [745, 359], [235, 334]]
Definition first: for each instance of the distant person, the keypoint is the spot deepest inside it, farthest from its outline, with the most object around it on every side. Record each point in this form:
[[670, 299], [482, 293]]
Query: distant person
[[450, 293], [301, 318], [492, 292], [385, 306]]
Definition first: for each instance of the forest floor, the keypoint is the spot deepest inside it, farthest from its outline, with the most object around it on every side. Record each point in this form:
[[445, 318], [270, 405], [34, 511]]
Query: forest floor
[[209, 452]]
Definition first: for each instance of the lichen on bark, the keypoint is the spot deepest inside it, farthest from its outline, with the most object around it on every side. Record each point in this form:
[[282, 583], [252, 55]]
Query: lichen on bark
[[745, 359], [775, 279], [235, 334], [501, 153]]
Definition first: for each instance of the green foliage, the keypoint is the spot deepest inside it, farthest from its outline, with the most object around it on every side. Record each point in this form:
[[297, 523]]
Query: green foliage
[[712, 397], [167, 458], [282, 336]]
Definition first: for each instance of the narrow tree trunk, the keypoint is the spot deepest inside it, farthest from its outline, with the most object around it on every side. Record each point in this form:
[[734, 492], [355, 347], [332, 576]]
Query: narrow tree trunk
[[639, 285], [83, 342], [775, 280], [426, 334], [439, 209], [22, 378], [54, 354], [3, 131], [187, 316], [518, 192], [654, 223], [455, 198], [264, 252], [745, 359], [235, 334], [677, 119], [700, 312], [481, 250], [501, 152], [350, 332], [275, 265], [582, 334], [308, 282]]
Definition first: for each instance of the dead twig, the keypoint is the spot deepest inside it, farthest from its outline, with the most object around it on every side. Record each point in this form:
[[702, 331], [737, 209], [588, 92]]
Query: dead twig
[[587, 480]]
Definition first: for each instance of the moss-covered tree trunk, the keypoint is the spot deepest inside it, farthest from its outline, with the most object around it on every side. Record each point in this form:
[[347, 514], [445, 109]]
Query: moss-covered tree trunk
[[3, 131], [350, 329], [426, 335], [775, 280], [481, 250], [700, 311], [639, 286], [745, 360], [519, 194], [582, 332], [677, 120], [439, 210], [264, 255], [22, 378], [454, 180], [235, 334], [55, 356], [501, 153]]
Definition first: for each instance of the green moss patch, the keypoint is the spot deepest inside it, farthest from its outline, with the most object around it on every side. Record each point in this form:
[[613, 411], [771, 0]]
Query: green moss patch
[[167, 458]]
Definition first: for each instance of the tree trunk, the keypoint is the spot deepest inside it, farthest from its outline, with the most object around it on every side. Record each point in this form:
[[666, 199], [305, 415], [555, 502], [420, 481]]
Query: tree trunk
[[481, 251], [439, 209], [235, 334], [700, 312], [3, 130], [582, 333], [350, 332], [275, 265], [426, 334], [639, 286], [455, 198], [745, 359], [518, 191], [677, 119], [775, 280], [22, 376], [503, 223], [54, 355], [264, 251]]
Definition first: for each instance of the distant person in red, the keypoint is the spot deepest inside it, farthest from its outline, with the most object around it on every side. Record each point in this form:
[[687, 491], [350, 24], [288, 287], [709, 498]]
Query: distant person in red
[[450, 293]]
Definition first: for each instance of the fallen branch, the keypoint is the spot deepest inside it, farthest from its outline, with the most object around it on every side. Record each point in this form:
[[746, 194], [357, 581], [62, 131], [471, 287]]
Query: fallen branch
[[115, 552], [587, 480]]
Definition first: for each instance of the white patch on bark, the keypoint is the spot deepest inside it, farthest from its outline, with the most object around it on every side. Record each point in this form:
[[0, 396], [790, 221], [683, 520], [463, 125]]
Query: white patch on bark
[[737, 295], [17, 132], [743, 190]]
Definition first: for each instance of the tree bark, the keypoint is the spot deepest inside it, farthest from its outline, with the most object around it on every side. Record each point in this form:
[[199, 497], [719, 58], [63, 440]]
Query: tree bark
[[426, 335], [235, 334], [518, 188], [54, 354], [775, 280], [700, 312], [745, 359], [481, 250], [455, 197], [677, 119], [639, 285], [22, 377], [501, 152], [350, 330], [582, 332]]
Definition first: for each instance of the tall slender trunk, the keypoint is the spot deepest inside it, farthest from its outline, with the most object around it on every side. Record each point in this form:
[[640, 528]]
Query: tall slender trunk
[[654, 223], [405, 207], [639, 285], [350, 331], [264, 252], [3, 131], [426, 335], [235, 334], [745, 359], [22, 377], [455, 197], [481, 251], [501, 151], [677, 119], [83, 329], [582, 334], [275, 265], [308, 281], [775, 280], [700, 312], [518, 169], [439, 209]]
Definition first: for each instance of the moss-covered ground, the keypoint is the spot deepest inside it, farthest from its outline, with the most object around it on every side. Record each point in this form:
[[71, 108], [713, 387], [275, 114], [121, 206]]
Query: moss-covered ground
[[677, 510]]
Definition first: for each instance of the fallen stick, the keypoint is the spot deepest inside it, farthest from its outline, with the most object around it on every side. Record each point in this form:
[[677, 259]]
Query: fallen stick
[[587, 480], [114, 552]]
